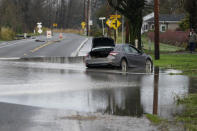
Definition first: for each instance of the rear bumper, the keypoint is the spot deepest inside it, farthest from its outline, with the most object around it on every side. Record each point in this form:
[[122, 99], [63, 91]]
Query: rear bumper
[[100, 62]]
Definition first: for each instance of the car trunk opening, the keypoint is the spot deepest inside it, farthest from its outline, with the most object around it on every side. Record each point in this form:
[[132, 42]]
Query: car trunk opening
[[101, 52], [101, 47]]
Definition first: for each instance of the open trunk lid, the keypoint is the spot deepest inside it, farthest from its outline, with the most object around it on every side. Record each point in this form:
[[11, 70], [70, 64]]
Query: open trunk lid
[[102, 42], [101, 47]]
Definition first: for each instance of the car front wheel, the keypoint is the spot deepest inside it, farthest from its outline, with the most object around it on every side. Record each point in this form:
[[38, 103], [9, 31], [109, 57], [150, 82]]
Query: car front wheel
[[149, 66]]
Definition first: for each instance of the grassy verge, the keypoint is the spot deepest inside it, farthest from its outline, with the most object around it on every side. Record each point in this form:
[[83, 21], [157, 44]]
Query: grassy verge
[[189, 117], [155, 119], [149, 46], [185, 62], [188, 64]]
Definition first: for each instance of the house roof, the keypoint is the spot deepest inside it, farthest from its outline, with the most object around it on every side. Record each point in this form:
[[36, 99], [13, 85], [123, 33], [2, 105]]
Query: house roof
[[169, 18]]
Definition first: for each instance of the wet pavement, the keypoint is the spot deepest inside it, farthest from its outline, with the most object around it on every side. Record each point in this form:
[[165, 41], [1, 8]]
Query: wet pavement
[[65, 85]]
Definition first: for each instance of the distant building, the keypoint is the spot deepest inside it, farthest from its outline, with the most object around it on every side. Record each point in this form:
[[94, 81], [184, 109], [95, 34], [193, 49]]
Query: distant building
[[166, 22]]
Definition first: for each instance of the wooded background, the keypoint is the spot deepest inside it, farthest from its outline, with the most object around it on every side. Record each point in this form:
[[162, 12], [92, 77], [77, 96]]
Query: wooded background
[[22, 15]]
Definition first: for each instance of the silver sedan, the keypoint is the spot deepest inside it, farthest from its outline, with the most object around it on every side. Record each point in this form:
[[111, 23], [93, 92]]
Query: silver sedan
[[104, 52]]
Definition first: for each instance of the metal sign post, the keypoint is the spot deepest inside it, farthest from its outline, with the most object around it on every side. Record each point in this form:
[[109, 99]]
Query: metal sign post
[[102, 19], [39, 26]]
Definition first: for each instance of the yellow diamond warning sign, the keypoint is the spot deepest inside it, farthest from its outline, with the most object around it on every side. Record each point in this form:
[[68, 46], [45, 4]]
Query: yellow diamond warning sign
[[113, 23]]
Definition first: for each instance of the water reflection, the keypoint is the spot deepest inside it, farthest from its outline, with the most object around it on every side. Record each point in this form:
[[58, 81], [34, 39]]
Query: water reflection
[[156, 86], [37, 84]]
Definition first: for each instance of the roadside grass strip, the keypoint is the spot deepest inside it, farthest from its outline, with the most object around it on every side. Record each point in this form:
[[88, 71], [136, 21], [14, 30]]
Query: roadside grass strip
[[189, 116], [185, 62]]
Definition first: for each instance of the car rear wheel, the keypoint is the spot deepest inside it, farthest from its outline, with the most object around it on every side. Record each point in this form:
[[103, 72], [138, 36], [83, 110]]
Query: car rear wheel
[[149, 66], [124, 65]]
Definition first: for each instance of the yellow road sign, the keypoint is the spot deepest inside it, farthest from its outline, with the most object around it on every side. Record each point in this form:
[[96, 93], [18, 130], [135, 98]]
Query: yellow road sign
[[114, 23], [109, 23], [83, 24], [115, 16], [54, 25]]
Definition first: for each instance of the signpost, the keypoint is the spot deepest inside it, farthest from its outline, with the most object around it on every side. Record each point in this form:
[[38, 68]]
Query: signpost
[[39, 26], [102, 19], [55, 25], [83, 25], [114, 23], [115, 16]]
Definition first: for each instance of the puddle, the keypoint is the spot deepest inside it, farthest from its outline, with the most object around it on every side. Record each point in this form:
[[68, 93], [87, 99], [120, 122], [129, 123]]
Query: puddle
[[65, 83]]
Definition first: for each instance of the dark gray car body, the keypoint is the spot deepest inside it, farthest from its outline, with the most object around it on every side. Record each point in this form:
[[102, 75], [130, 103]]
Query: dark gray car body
[[119, 52]]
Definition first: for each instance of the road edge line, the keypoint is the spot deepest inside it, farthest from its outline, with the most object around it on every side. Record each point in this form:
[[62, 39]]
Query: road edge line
[[75, 53]]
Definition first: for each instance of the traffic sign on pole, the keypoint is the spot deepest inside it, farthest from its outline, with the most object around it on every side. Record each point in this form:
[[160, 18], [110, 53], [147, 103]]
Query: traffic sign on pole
[[39, 26], [114, 23], [102, 19], [54, 25], [83, 25], [115, 16], [109, 23]]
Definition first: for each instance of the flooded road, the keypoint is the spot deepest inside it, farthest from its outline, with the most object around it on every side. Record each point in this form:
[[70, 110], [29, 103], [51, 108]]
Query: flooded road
[[65, 83]]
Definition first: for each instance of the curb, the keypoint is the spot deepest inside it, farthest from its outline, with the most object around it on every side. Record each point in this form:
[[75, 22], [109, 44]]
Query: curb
[[75, 53]]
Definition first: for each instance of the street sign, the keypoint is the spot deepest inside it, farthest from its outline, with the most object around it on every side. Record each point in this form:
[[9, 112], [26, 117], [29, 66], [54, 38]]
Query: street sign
[[40, 31], [83, 25], [90, 22], [54, 25], [114, 23], [49, 34], [102, 18], [39, 25], [109, 23], [115, 16]]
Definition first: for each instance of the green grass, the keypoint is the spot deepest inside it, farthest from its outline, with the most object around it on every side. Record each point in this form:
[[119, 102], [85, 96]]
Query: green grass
[[155, 119], [189, 116], [149, 46], [185, 62]]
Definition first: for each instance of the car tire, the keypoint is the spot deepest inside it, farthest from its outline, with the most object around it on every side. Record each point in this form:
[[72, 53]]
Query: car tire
[[124, 65], [149, 66]]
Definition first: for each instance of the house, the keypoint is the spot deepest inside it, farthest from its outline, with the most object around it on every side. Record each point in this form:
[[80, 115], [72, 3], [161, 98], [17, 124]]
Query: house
[[166, 22]]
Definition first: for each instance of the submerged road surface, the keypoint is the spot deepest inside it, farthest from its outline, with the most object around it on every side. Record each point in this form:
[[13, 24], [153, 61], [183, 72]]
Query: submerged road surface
[[61, 94]]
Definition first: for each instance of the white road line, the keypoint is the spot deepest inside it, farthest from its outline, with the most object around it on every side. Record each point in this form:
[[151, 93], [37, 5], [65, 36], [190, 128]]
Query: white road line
[[11, 44], [75, 53]]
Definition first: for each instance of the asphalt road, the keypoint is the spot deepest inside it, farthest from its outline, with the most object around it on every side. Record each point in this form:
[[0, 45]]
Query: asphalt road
[[48, 48]]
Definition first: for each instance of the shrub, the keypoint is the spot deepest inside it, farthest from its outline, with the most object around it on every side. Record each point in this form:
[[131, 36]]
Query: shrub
[[7, 33], [96, 32], [177, 38]]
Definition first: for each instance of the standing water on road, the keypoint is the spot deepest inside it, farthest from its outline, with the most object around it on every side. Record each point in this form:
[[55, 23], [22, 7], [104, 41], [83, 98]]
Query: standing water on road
[[65, 83]]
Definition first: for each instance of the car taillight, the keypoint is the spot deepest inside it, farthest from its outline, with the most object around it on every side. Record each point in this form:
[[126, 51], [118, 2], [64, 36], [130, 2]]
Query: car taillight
[[87, 55], [113, 53]]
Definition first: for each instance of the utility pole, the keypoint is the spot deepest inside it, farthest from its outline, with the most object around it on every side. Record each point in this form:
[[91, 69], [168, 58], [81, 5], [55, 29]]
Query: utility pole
[[156, 10], [122, 29], [88, 18], [84, 9]]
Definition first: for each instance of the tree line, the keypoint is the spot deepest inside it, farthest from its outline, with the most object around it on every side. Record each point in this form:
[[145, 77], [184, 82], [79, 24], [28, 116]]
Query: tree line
[[22, 15]]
